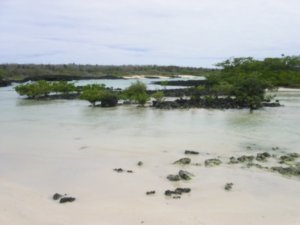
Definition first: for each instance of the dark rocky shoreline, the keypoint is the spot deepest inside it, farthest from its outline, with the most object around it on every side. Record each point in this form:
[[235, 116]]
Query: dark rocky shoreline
[[214, 103]]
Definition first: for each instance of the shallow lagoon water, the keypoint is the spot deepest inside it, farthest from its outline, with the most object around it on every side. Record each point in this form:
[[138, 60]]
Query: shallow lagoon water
[[67, 146]]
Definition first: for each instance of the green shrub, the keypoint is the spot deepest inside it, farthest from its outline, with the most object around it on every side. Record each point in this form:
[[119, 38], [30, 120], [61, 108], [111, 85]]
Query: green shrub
[[34, 90], [63, 87], [97, 93], [137, 92], [158, 96]]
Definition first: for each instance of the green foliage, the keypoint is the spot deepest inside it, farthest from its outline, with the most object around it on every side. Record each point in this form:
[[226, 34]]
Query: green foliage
[[98, 93], [44, 88], [222, 88], [63, 87], [34, 90], [164, 83], [137, 92], [250, 90], [197, 92], [92, 93], [158, 96], [43, 71], [109, 98], [141, 98], [283, 71]]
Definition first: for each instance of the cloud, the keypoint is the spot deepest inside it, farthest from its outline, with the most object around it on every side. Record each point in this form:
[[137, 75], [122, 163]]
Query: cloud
[[191, 32]]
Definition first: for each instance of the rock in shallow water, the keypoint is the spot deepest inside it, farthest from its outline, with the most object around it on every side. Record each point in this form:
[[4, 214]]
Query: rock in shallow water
[[212, 162], [288, 171], [288, 158], [245, 158], [184, 175], [262, 157], [183, 161], [173, 177], [233, 160]]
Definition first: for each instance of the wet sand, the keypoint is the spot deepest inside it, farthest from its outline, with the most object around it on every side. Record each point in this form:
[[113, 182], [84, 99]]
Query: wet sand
[[106, 197]]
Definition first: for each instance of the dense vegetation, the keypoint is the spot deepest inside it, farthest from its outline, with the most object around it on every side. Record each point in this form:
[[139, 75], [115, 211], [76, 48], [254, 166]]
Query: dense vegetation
[[245, 80], [43, 88], [94, 93], [24, 72], [284, 71]]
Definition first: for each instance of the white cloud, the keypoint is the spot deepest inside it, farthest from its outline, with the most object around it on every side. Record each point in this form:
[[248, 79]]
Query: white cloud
[[191, 32]]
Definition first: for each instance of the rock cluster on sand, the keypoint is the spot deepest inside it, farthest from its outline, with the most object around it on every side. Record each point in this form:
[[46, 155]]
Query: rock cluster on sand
[[63, 198], [228, 186], [182, 175], [177, 192], [150, 192], [120, 170]]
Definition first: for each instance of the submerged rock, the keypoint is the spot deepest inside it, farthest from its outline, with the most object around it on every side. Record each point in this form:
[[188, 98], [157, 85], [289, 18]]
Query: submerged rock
[[251, 164], [289, 171], [288, 158], [245, 158], [294, 155], [67, 199], [228, 186], [183, 161], [173, 177], [190, 152], [262, 157], [233, 160], [212, 162]]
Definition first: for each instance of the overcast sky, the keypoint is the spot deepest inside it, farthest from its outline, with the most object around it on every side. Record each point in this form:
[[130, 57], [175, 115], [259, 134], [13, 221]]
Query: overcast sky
[[164, 32]]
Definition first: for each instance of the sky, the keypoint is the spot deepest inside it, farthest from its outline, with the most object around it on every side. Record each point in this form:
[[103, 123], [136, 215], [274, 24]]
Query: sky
[[196, 33]]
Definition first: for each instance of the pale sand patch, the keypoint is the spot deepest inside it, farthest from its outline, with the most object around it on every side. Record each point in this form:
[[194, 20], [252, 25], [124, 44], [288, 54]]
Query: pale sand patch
[[185, 76], [106, 197], [144, 76]]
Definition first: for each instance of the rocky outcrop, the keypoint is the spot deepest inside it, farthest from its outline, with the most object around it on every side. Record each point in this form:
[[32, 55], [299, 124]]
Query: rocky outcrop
[[4, 83], [63, 198]]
